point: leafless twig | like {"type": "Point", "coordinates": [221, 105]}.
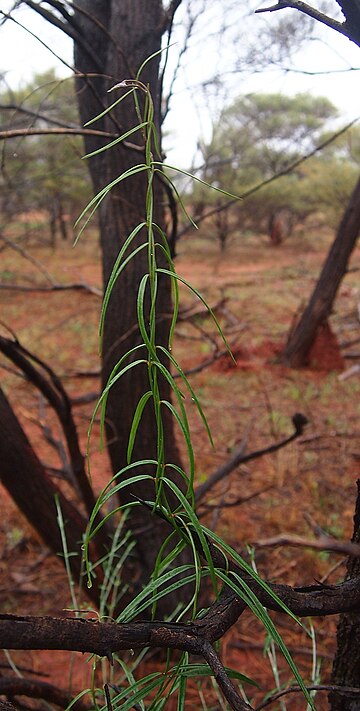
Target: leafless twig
{"type": "Point", "coordinates": [299, 422]}
{"type": "Point", "coordinates": [323, 543]}
{"type": "Point", "coordinates": [345, 690]}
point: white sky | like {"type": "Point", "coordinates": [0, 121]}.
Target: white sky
{"type": "Point", "coordinates": [22, 55]}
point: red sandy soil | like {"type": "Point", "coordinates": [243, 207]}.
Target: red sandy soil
{"type": "Point", "coordinates": [254, 399]}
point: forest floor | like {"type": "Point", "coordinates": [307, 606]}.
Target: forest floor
{"type": "Point", "coordinates": [256, 291]}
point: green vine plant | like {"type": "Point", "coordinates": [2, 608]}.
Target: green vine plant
{"type": "Point", "coordinates": [213, 559]}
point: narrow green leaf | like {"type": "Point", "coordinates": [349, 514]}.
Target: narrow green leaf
{"type": "Point", "coordinates": [243, 564]}
{"type": "Point", "coordinates": [136, 421]}
{"type": "Point", "coordinates": [195, 670]}
{"type": "Point", "coordinates": [245, 593]}
{"type": "Point", "coordinates": [174, 290]}
{"type": "Point", "coordinates": [109, 108]}
{"type": "Point", "coordinates": [150, 58]}
{"type": "Point", "coordinates": [140, 315]}
{"type": "Point", "coordinates": [179, 198]}
{"type": "Point", "coordinates": [145, 597]}
{"type": "Point", "coordinates": [104, 191]}
{"type": "Point", "coordinates": [182, 693]}
{"type": "Point", "coordinates": [203, 301]}
{"type": "Point", "coordinates": [119, 266]}
{"type": "Point", "coordinates": [198, 180]}
{"type": "Point", "coordinates": [184, 426]}
{"type": "Point", "coordinates": [191, 390]}
{"type": "Point", "coordinates": [105, 393]}
{"type": "Point", "coordinates": [198, 529]}
{"type": "Point", "coordinates": [113, 143]}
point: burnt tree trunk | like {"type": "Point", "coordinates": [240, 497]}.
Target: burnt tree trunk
{"type": "Point", "coordinates": [346, 667]}
{"type": "Point", "coordinates": [319, 308]}
{"type": "Point", "coordinates": [121, 36]}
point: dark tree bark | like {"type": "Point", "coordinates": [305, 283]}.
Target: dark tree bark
{"type": "Point", "coordinates": [24, 477]}
{"type": "Point", "coordinates": [346, 667]}
{"type": "Point", "coordinates": [319, 308]}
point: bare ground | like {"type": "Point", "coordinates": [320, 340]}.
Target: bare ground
{"type": "Point", "coordinates": [256, 292]}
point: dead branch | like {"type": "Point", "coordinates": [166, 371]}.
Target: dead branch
{"type": "Point", "coordinates": [54, 285]}
{"type": "Point", "coordinates": [51, 387]}
{"type": "Point", "coordinates": [350, 9]}
{"type": "Point", "coordinates": [349, 372]}
{"type": "Point", "coordinates": [323, 543]}
{"type": "Point", "coordinates": [69, 27]}
{"type": "Point", "coordinates": [77, 286]}
{"type": "Point", "coordinates": [236, 502]}
{"type": "Point", "coordinates": [27, 632]}
{"type": "Point", "coordinates": [299, 421]}
{"type": "Point", "coordinates": [306, 10]}
{"type": "Point", "coordinates": [106, 639]}
{"type": "Point", "coordinates": [345, 690]}
{"type": "Point", "coordinates": [18, 686]}
{"type": "Point", "coordinates": [195, 637]}
{"type": "Point", "coordinates": [22, 132]}
{"type": "Point", "coordinates": [16, 108]}
{"type": "Point", "coordinates": [26, 255]}
{"type": "Point", "coordinates": [31, 488]}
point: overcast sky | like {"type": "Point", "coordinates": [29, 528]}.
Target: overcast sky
{"type": "Point", "coordinates": [22, 55]}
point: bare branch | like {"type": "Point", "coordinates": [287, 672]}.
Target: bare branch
{"type": "Point", "coordinates": [345, 690]}
{"type": "Point", "coordinates": [306, 10]}
{"type": "Point", "coordinates": [350, 9]}
{"type": "Point", "coordinates": [225, 684]}
{"type": "Point", "coordinates": [24, 253]}
{"type": "Point", "coordinates": [236, 502]}
{"type": "Point", "coordinates": [170, 14]}
{"type": "Point", "coordinates": [76, 286]}
{"type": "Point", "coordinates": [8, 16]}
{"type": "Point", "coordinates": [34, 114]}
{"type": "Point", "coordinates": [13, 686]}
{"type": "Point", "coordinates": [52, 389]}
{"type": "Point", "coordinates": [68, 27]}
{"type": "Point", "coordinates": [16, 132]}
{"type": "Point", "coordinates": [299, 422]}
{"type": "Point", "coordinates": [323, 543]}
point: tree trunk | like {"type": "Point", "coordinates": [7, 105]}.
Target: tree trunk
{"type": "Point", "coordinates": [52, 226]}
{"type": "Point", "coordinates": [24, 477]}
{"type": "Point", "coordinates": [319, 308]}
{"type": "Point", "coordinates": [346, 667]}
{"type": "Point", "coordinates": [124, 35]}
{"type": "Point", "coordinates": [62, 222]}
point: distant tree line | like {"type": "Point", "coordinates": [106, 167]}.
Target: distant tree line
{"type": "Point", "coordinates": [261, 136]}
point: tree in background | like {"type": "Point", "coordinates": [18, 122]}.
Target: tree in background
{"type": "Point", "coordinates": [31, 179]}
{"type": "Point", "coordinates": [316, 313]}
{"type": "Point", "coordinates": [261, 136]}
